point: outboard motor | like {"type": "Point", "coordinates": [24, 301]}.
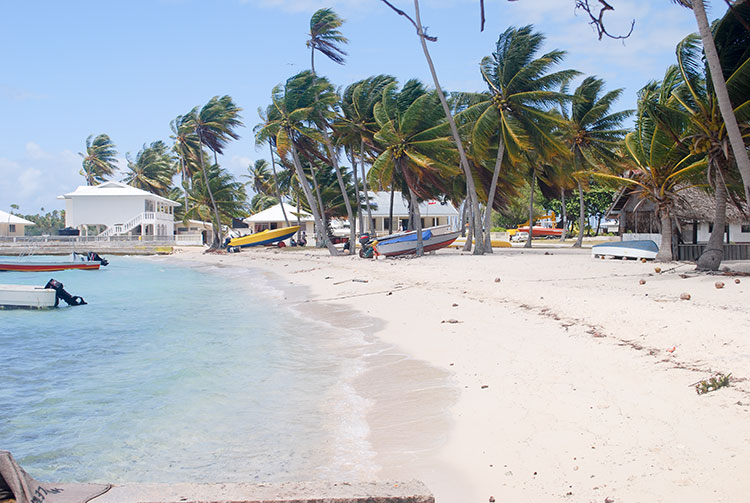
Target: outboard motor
{"type": "Point", "coordinates": [60, 293]}
{"type": "Point", "coordinates": [93, 256]}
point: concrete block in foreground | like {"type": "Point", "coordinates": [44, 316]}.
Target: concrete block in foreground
{"type": "Point", "coordinates": [291, 492]}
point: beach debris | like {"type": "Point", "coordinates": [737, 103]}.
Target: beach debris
{"type": "Point", "coordinates": [684, 296]}
{"type": "Point", "coordinates": [736, 281]}
{"type": "Point", "coordinates": [602, 257]}
{"type": "Point", "coordinates": [657, 269]}
{"type": "Point", "coordinates": [548, 253]}
{"type": "Point", "coordinates": [454, 305]}
{"type": "Point", "coordinates": [712, 384]}
{"type": "Point", "coordinates": [357, 280]}
{"type": "Point", "coordinates": [389, 293]}
{"type": "Point", "coordinates": [642, 259]}
{"type": "Point", "coordinates": [684, 276]}
{"type": "Point", "coordinates": [450, 364]}
{"type": "Point", "coordinates": [451, 320]}
{"type": "Point", "coordinates": [497, 280]}
{"type": "Point", "coordinates": [492, 499]}
{"type": "Point", "coordinates": [642, 282]}
{"type": "Point", "coordinates": [672, 349]}
{"type": "Point", "coordinates": [719, 285]}
{"type": "Point", "coordinates": [328, 277]}
{"type": "Point", "coordinates": [609, 500]}
{"type": "Point", "coordinates": [484, 386]}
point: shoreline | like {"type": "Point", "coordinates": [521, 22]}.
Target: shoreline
{"type": "Point", "coordinates": [565, 386]}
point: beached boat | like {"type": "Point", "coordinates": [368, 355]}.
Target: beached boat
{"type": "Point", "coordinates": [405, 243]}
{"type": "Point", "coordinates": [496, 243]}
{"type": "Point", "coordinates": [545, 228]}
{"type": "Point", "coordinates": [540, 231]}
{"type": "Point", "coordinates": [36, 297]}
{"type": "Point", "coordinates": [266, 237]}
{"type": "Point", "coordinates": [85, 261]}
{"type": "Point", "coordinates": [626, 249]}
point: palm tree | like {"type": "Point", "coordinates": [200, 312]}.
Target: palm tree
{"type": "Point", "coordinates": [152, 170]}
{"type": "Point", "coordinates": [664, 164]}
{"type": "Point", "coordinates": [215, 126]}
{"type": "Point", "coordinates": [99, 161]}
{"type": "Point", "coordinates": [721, 88]}
{"type": "Point", "coordinates": [222, 193]}
{"type": "Point", "coordinates": [259, 178]}
{"type": "Point", "coordinates": [416, 147]}
{"type": "Point", "coordinates": [325, 37]}
{"type": "Point", "coordinates": [707, 130]}
{"type": "Point", "coordinates": [593, 134]}
{"type": "Point", "coordinates": [515, 112]}
{"type": "Point", "coordinates": [186, 147]}
{"type": "Point", "coordinates": [270, 142]}
{"type": "Point", "coordinates": [287, 123]}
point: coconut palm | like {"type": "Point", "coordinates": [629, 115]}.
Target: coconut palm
{"type": "Point", "coordinates": [516, 112]}
{"type": "Point", "coordinates": [186, 147]}
{"type": "Point", "coordinates": [707, 130]}
{"type": "Point", "coordinates": [593, 134]}
{"type": "Point", "coordinates": [215, 125]}
{"type": "Point", "coordinates": [325, 37]}
{"type": "Point", "coordinates": [287, 122]}
{"type": "Point", "coordinates": [664, 165]}
{"type": "Point", "coordinates": [416, 146]}
{"type": "Point", "coordinates": [152, 170]}
{"type": "Point", "coordinates": [721, 87]}
{"type": "Point", "coordinates": [223, 193]}
{"type": "Point", "coordinates": [99, 161]}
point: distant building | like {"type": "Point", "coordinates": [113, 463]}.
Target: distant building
{"type": "Point", "coordinates": [12, 225]}
{"type": "Point", "coordinates": [273, 218]}
{"type": "Point", "coordinates": [433, 213]}
{"type": "Point", "coordinates": [114, 208]}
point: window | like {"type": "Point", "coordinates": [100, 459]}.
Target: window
{"type": "Point", "coordinates": [745, 228]}
{"type": "Point", "coordinates": [12, 227]}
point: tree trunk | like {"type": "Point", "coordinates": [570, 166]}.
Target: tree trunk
{"type": "Point", "coordinates": [417, 222]}
{"type": "Point", "coordinates": [720, 87]}
{"type": "Point", "coordinates": [342, 187]}
{"type": "Point", "coordinates": [477, 217]}
{"type": "Point", "coordinates": [581, 217]}
{"type": "Point", "coordinates": [360, 216]}
{"type": "Point", "coordinates": [491, 194]}
{"type": "Point", "coordinates": [299, 220]}
{"type": "Point", "coordinates": [364, 185]}
{"type": "Point", "coordinates": [598, 224]}
{"type": "Point", "coordinates": [390, 212]}
{"type": "Point", "coordinates": [470, 235]}
{"type": "Point", "coordinates": [462, 223]}
{"type": "Point", "coordinates": [217, 215]}
{"type": "Point", "coordinates": [276, 184]}
{"type": "Point", "coordinates": [665, 250]}
{"type": "Point", "coordinates": [712, 256]}
{"type": "Point", "coordinates": [563, 222]}
{"type": "Point", "coordinates": [321, 234]}
{"type": "Point", "coordinates": [531, 209]}
{"type": "Point", "coordinates": [319, 222]}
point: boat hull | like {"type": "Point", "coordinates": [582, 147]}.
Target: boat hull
{"type": "Point", "coordinates": [26, 297]}
{"type": "Point", "coordinates": [627, 249]}
{"type": "Point", "coordinates": [48, 267]}
{"type": "Point", "coordinates": [434, 242]}
{"type": "Point", "coordinates": [266, 237]}
{"type": "Point", "coordinates": [540, 232]}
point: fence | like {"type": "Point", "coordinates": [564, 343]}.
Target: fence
{"type": "Point", "coordinates": [690, 252]}
{"type": "Point", "coordinates": [179, 239]}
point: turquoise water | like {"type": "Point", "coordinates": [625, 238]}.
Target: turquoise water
{"type": "Point", "coordinates": [176, 374]}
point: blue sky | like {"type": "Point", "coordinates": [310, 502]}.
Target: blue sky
{"type": "Point", "coordinates": [128, 67]}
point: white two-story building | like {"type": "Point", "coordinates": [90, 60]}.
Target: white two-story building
{"type": "Point", "coordinates": [115, 209]}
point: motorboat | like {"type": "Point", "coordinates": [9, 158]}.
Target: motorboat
{"type": "Point", "coordinates": [266, 237]}
{"type": "Point", "coordinates": [405, 243]}
{"type": "Point", "coordinates": [36, 297]}
{"type": "Point", "coordinates": [84, 261]}
{"type": "Point", "coordinates": [638, 249]}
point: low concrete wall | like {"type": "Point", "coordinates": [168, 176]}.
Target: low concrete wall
{"type": "Point", "coordinates": [292, 492]}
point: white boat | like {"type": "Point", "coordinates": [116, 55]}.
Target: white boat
{"type": "Point", "coordinates": [626, 249]}
{"type": "Point", "coordinates": [26, 296]}
{"type": "Point", "coordinates": [433, 238]}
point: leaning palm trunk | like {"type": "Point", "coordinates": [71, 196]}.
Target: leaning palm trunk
{"type": "Point", "coordinates": [321, 235]}
{"type": "Point", "coordinates": [665, 249]}
{"type": "Point", "coordinates": [276, 184]}
{"type": "Point", "coordinates": [491, 195]}
{"type": "Point", "coordinates": [342, 186]}
{"type": "Point", "coordinates": [531, 209]}
{"type": "Point", "coordinates": [417, 222]}
{"type": "Point", "coordinates": [581, 217]}
{"type": "Point", "coordinates": [472, 191]}
{"type": "Point", "coordinates": [360, 217]}
{"type": "Point", "coordinates": [217, 215]}
{"type": "Point", "coordinates": [720, 87]}
{"type": "Point", "coordinates": [319, 222]}
{"type": "Point", "coordinates": [563, 223]}
{"type": "Point", "coordinates": [390, 211]}
{"type": "Point", "coordinates": [470, 235]}
{"type": "Point", "coordinates": [712, 256]}
{"type": "Point", "coordinates": [364, 185]}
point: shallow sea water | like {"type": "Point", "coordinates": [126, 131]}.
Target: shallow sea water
{"type": "Point", "coordinates": [178, 374]}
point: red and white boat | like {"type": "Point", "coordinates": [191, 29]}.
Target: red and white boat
{"type": "Point", "coordinates": [85, 261]}
{"type": "Point", "coordinates": [540, 231]}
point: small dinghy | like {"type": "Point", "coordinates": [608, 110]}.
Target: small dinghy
{"type": "Point", "coordinates": [37, 297]}
{"type": "Point", "coordinates": [86, 261]}
{"type": "Point", "coordinates": [626, 249]}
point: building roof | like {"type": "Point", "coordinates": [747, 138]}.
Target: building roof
{"type": "Point", "coordinates": [274, 214]}
{"type": "Point", "coordinates": [9, 218]}
{"type": "Point", "coordinates": [400, 209]}
{"type": "Point", "coordinates": [114, 189]}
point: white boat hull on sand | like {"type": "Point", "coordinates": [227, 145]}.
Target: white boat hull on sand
{"type": "Point", "coordinates": [26, 296]}
{"type": "Point", "coordinates": [645, 249]}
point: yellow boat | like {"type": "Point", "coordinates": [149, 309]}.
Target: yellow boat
{"type": "Point", "coordinates": [266, 237]}
{"type": "Point", "coordinates": [496, 243]}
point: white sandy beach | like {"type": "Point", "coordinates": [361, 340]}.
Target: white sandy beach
{"type": "Point", "coordinates": [541, 375]}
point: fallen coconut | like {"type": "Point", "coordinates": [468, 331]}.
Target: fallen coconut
{"type": "Point", "coordinates": [684, 296]}
{"type": "Point", "coordinates": [643, 260]}
{"type": "Point", "coordinates": [719, 285]}
{"type": "Point", "coordinates": [642, 282]}
{"type": "Point", "coordinates": [737, 281]}
{"type": "Point", "coordinates": [657, 269]}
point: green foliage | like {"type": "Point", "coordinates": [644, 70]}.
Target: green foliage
{"type": "Point", "coordinates": [152, 170]}
{"type": "Point", "coordinates": [47, 223]}
{"type": "Point", "coordinates": [99, 160]}
{"type": "Point", "coordinates": [228, 194]}
{"type": "Point", "coordinates": [712, 384]}
{"type": "Point", "coordinates": [325, 36]}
